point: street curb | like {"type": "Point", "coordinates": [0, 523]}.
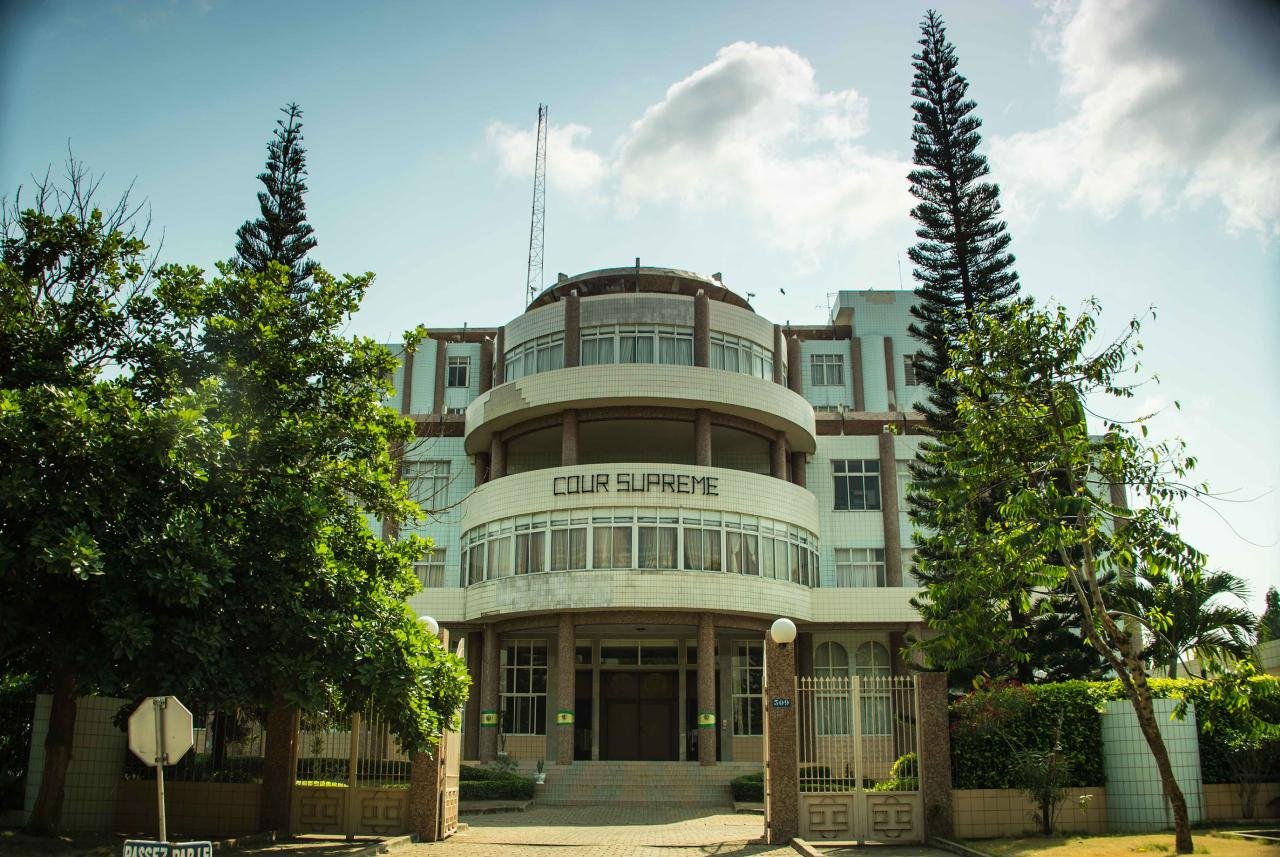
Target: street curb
{"type": "Point", "coordinates": [956, 847]}
{"type": "Point", "coordinates": [247, 841]}
{"type": "Point", "coordinates": [382, 847]}
{"type": "Point", "coordinates": [802, 847]}
{"type": "Point", "coordinates": [748, 808]}
{"type": "Point", "coordinates": [489, 809]}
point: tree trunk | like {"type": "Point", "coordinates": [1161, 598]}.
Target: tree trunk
{"type": "Point", "coordinates": [1141, 699]}
{"type": "Point", "coordinates": [47, 811]}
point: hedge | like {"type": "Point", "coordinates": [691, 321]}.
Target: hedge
{"type": "Point", "coordinates": [503, 788]}
{"type": "Point", "coordinates": [1026, 715]}
{"type": "Point", "coordinates": [748, 788]}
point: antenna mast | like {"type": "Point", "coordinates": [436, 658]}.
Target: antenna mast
{"type": "Point", "coordinates": [538, 220]}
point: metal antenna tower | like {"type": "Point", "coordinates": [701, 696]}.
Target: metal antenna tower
{"type": "Point", "coordinates": [538, 221]}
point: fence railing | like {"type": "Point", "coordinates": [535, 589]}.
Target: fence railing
{"type": "Point", "coordinates": [857, 733]}
{"type": "Point", "coordinates": [345, 750]}
{"type": "Point", "coordinates": [229, 745]}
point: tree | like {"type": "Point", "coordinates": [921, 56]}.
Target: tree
{"type": "Point", "coordinates": [281, 234]}
{"type": "Point", "coordinates": [1043, 518]}
{"type": "Point", "coordinates": [1193, 619]}
{"type": "Point", "coordinates": [1269, 622]}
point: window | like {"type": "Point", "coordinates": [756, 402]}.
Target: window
{"type": "Point", "coordinates": [657, 544]}
{"type": "Point", "coordinates": [611, 546]}
{"type": "Point", "coordinates": [537, 355]}
{"type": "Point", "coordinates": [748, 688]}
{"type": "Point", "coordinates": [701, 549]}
{"type": "Point", "coordinates": [733, 354]}
{"type": "Point", "coordinates": [430, 571]}
{"type": "Point", "coordinates": [909, 567]}
{"type": "Point", "coordinates": [871, 664]}
{"type": "Point", "coordinates": [524, 687]}
{"type": "Point", "coordinates": [860, 567]}
{"type": "Point", "coordinates": [831, 661]}
{"type": "Point", "coordinates": [909, 370]}
{"type": "Point", "coordinates": [530, 553]}
{"type": "Point", "coordinates": [826, 370]}
{"type": "Point", "coordinates": [597, 347]}
{"type": "Point", "coordinates": [742, 553]}
{"type": "Point", "coordinates": [857, 484]}
{"type": "Point", "coordinates": [568, 548]}
{"type": "Point", "coordinates": [459, 372]}
{"type": "Point", "coordinates": [635, 344]}
{"type": "Point", "coordinates": [428, 483]}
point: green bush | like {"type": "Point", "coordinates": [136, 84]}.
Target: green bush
{"type": "Point", "coordinates": [903, 775]}
{"type": "Point", "coordinates": [508, 788]}
{"type": "Point", "coordinates": [748, 788]}
{"type": "Point", "coordinates": [468, 773]}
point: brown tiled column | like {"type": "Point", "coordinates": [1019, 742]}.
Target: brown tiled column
{"type": "Point", "coordinates": [855, 369]}
{"type": "Point", "coordinates": [482, 468]}
{"type": "Point", "coordinates": [889, 510]}
{"type": "Point", "coordinates": [782, 765]}
{"type": "Point", "coordinates": [572, 331]}
{"type": "Point", "coordinates": [565, 694]}
{"type": "Point", "coordinates": [497, 457]}
{"type": "Point", "coordinates": [701, 329]}
{"type": "Point", "coordinates": [500, 357]}
{"type": "Point", "coordinates": [890, 375]}
{"type": "Point", "coordinates": [471, 715]}
{"type": "Point", "coordinates": [778, 456]}
{"type": "Point", "coordinates": [279, 766]}
{"type": "Point", "coordinates": [795, 370]}
{"type": "Point", "coordinates": [486, 366]}
{"type": "Point", "coordinates": [489, 714]}
{"type": "Point", "coordinates": [569, 439]}
{"type": "Point", "coordinates": [798, 468]}
{"type": "Point", "coordinates": [935, 755]}
{"type": "Point", "coordinates": [779, 356]}
{"type": "Point", "coordinates": [707, 728]}
{"type": "Point", "coordinates": [442, 360]}
{"type": "Point", "coordinates": [426, 778]}
{"type": "Point", "coordinates": [406, 383]}
{"type": "Point", "coordinates": [702, 438]}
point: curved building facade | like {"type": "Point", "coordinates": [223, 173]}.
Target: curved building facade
{"type": "Point", "coordinates": [631, 480]}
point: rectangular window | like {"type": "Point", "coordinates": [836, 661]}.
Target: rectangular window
{"type": "Point", "coordinates": [909, 369]}
{"type": "Point", "coordinates": [611, 547]}
{"type": "Point", "coordinates": [657, 547]}
{"type": "Point", "coordinates": [675, 348]}
{"type": "Point", "coordinates": [459, 372]}
{"type": "Point", "coordinates": [748, 688]}
{"type": "Point", "coordinates": [428, 483]}
{"type": "Point", "coordinates": [597, 348]}
{"type": "Point", "coordinates": [569, 549]}
{"type": "Point", "coordinates": [500, 557]}
{"type": "Point", "coordinates": [857, 484]}
{"type": "Point", "coordinates": [530, 557]}
{"type": "Point", "coordinates": [740, 553]}
{"type": "Point", "coordinates": [430, 571]}
{"type": "Point", "coordinates": [826, 370]}
{"type": "Point", "coordinates": [523, 689]}
{"type": "Point", "coordinates": [860, 567]}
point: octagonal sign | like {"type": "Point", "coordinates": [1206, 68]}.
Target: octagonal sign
{"type": "Point", "coordinates": [160, 731]}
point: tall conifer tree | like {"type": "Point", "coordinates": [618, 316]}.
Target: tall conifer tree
{"type": "Point", "coordinates": [281, 233]}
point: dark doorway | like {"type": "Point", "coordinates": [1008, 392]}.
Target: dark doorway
{"type": "Point", "coordinates": [582, 721]}
{"type": "Point", "coordinates": [638, 715]}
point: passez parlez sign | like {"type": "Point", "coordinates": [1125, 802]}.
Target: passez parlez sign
{"type": "Point", "coordinates": [147, 848]}
{"type": "Point", "coordinates": [635, 483]}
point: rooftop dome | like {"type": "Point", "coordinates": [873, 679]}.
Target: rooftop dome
{"type": "Point", "coordinates": [667, 281]}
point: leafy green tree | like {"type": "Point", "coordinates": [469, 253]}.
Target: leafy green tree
{"type": "Point", "coordinates": [1041, 517]}
{"type": "Point", "coordinates": [1269, 621]}
{"type": "Point", "coordinates": [281, 232]}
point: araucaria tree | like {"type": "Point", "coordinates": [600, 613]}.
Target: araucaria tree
{"type": "Point", "coordinates": [1042, 517]}
{"type": "Point", "coordinates": [281, 233]}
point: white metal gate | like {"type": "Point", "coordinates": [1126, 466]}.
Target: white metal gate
{"type": "Point", "coordinates": [859, 761]}
{"type": "Point", "coordinates": [451, 746]}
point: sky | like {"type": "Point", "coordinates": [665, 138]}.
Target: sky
{"type": "Point", "coordinates": [1137, 145]}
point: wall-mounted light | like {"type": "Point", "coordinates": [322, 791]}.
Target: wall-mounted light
{"type": "Point", "coordinates": [782, 631]}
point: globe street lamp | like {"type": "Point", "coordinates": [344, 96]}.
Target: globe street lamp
{"type": "Point", "coordinates": [782, 631]}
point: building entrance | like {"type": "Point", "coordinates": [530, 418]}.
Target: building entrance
{"type": "Point", "coordinates": [638, 714]}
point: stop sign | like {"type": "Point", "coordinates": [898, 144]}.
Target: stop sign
{"type": "Point", "coordinates": [160, 730]}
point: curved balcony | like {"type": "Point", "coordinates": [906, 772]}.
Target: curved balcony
{"type": "Point", "coordinates": [645, 385]}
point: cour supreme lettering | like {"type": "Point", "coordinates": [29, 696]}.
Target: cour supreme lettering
{"type": "Point", "coordinates": [628, 483]}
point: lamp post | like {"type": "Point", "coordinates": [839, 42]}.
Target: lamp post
{"type": "Point", "coordinates": [782, 631]}
{"type": "Point", "coordinates": [433, 627]}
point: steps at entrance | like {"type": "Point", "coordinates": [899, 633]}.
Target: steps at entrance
{"type": "Point", "coordinates": [641, 783]}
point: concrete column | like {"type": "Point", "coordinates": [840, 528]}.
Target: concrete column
{"type": "Point", "coordinates": [482, 467]}
{"type": "Point", "coordinates": [779, 355]}
{"type": "Point", "coordinates": [701, 330]}
{"type": "Point", "coordinates": [781, 747]}
{"type": "Point", "coordinates": [795, 371]}
{"type": "Point", "coordinates": [499, 357]}
{"type": "Point", "coordinates": [426, 781]}
{"type": "Point", "coordinates": [889, 509]}
{"type": "Point", "coordinates": [566, 667]}
{"type": "Point", "coordinates": [406, 383]}
{"type": "Point", "coordinates": [569, 439]}
{"type": "Point", "coordinates": [486, 366]}
{"type": "Point", "coordinates": [279, 766]}
{"type": "Point", "coordinates": [798, 468]}
{"type": "Point", "coordinates": [855, 369]}
{"type": "Point", "coordinates": [702, 438]}
{"type": "Point", "coordinates": [778, 456]}
{"type": "Point", "coordinates": [891, 375]}
{"type": "Point", "coordinates": [490, 716]}
{"type": "Point", "coordinates": [442, 360]}
{"type": "Point", "coordinates": [935, 755]}
{"type": "Point", "coordinates": [572, 332]}
{"type": "Point", "coordinates": [707, 730]}
{"type": "Point", "coordinates": [471, 714]}
{"type": "Point", "coordinates": [497, 457]}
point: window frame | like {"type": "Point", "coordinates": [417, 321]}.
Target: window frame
{"type": "Point", "coordinates": [458, 362]}
{"type": "Point", "coordinates": [826, 370]}
{"type": "Point", "coordinates": [866, 474]}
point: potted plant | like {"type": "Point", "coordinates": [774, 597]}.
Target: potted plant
{"type": "Point", "coordinates": [539, 775]}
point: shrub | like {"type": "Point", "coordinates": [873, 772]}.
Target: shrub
{"type": "Point", "coordinates": [904, 775]}
{"type": "Point", "coordinates": [508, 788]}
{"type": "Point", "coordinates": [748, 788]}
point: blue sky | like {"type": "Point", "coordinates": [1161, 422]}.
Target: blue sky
{"type": "Point", "coordinates": [1138, 148]}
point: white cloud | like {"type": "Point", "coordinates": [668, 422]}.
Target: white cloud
{"type": "Point", "coordinates": [1170, 103]}
{"type": "Point", "coordinates": [750, 132]}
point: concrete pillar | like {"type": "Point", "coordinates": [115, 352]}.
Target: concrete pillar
{"type": "Point", "coordinates": [779, 356]}
{"type": "Point", "coordinates": [497, 457]}
{"type": "Point", "coordinates": [486, 366]}
{"type": "Point", "coordinates": [798, 468]}
{"type": "Point", "coordinates": [426, 781]}
{"type": "Point", "coordinates": [566, 666]}
{"type": "Point", "coordinates": [572, 332]}
{"type": "Point", "coordinates": [490, 716]}
{"type": "Point", "coordinates": [935, 755]}
{"type": "Point", "coordinates": [471, 714]}
{"type": "Point", "coordinates": [795, 370]}
{"type": "Point", "coordinates": [482, 467]}
{"type": "Point", "coordinates": [406, 383]}
{"type": "Point", "coordinates": [891, 375]}
{"type": "Point", "coordinates": [707, 730]}
{"type": "Point", "coordinates": [569, 439]}
{"type": "Point", "coordinates": [855, 369]}
{"type": "Point", "coordinates": [782, 760]}
{"type": "Point", "coordinates": [889, 510]}
{"type": "Point", "coordinates": [702, 438]}
{"type": "Point", "coordinates": [701, 329]}
{"type": "Point", "coordinates": [279, 766]}
{"type": "Point", "coordinates": [442, 361]}
{"type": "Point", "coordinates": [499, 357]}
{"type": "Point", "coordinates": [778, 456]}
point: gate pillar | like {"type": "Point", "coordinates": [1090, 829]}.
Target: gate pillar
{"type": "Point", "coordinates": [935, 755]}
{"type": "Point", "coordinates": [781, 747]}
{"type": "Point", "coordinates": [425, 780]}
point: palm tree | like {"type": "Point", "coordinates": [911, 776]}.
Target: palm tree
{"type": "Point", "coordinates": [1192, 616]}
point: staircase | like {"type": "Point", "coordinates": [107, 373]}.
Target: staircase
{"type": "Point", "coordinates": [641, 783]}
